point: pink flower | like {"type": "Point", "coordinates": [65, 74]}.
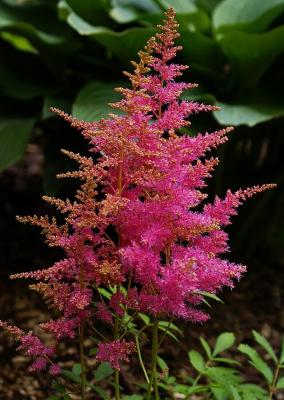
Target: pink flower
{"type": "Point", "coordinates": [115, 352]}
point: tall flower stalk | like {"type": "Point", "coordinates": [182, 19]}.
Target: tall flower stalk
{"type": "Point", "coordinates": [139, 224]}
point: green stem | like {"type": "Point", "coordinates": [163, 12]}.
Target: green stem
{"type": "Point", "coordinates": [153, 377]}
{"type": "Point", "coordinates": [116, 371]}
{"type": "Point", "coordinates": [141, 360]}
{"type": "Point", "coordinates": [273, 386]}
{"type": "Point", "coordinates": [82, 362]}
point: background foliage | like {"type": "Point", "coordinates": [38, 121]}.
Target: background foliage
{"type": "Point", "coordinates": [69, 54]}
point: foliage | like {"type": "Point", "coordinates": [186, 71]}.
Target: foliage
{"type": "Point", "coordinates": [71, 54]}
{"type": "Point", "coordinates": [139, 242]}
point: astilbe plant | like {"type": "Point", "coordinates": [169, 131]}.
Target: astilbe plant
{"type": "Point", "coordinates": [135, 226]}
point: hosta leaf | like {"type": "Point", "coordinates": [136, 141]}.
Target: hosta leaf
{"type": "Point", "coordinates": [257, 52]}
{"type": "Point", "coordinates": [265, 344]}
{"type": "Point", "coordinates": [14, 135]}
{"type": "Point", "coordinates": [223, 342]}
{"type": "Point", "coordinates": [92, 101]}
{"type": "Point", "coordinates": [249, 15]}
{"type": "Point", "coordinates": [95, 12]}
{"type": "Point", "coordinates": [251, 113]}
{"type": "Point", "coordinates": [125, 11]}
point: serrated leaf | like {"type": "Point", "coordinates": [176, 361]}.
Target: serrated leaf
{"type": "Point", "coordinates": [224, 342]}
{"type": "Point", "coordinates": [196, 360]}
{"type": "Point", "coordinates": [206, 347]}
{"type": "Point", "coordinates": [257, 361]}
{"type": "Point", "coordinates": [265, 344]}
{"type": "Point", "coordinates": [103, 371]}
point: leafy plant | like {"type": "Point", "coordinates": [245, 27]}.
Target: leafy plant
{"type": "Point", "coordinates": [139, 244]}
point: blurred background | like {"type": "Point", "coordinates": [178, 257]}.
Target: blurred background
{"type": "Point", "coordinates": [70, 53]}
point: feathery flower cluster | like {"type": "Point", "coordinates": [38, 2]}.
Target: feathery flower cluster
{"type": "Point", "coordinates": [135, 219]}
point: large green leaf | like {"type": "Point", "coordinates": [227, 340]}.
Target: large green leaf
{"type": "Point", "coordinates": [250, 111]}
{"type": "Point", "coordinates": [92, 101]}
{"type": "Point", "coordinates": [14, 135]}
{"type": "Point", "coordinates": [125, 11]}
{"type": "Point", "coordinates": [251, 54]}
{"type": "Point", "coordinates": [247, 15]}
{"type": "Point", "coordinates": [202, 53]}
{"type": "Point", "coordinates": [93, 11]}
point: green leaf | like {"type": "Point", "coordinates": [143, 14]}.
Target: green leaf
{"type": "Point", "coordinates": [125, 11]}
{"type": "Point", "coordinates": [168, 332]}
{"type": "Point", "coordinates": [204, 52]}
{"type": "Point", "coordinates": [280, 383]}
{"type": "Point", "coordinates": [95, 12]}
{"type": "Point", "coordinates": [162, 364]}
{"type": "Point", "coordinates": [14, 136]}
{"type": "Point", "coordinates": [105, 293]}
{"type": "Point", "coordinates": [254, 111]}
{"type": "Point", "coordinates": [206, 347]}
{"type": "Point", "coordinates": [171, 326]}
{"type": "Point", "coordinates": [103, 371]}
{"type": "Point", "coordinates": [255, 54]}
{"type": "Point", "coordinates": [257, 362]}
{"type": "Point", "coordinates": [56, 102]}
{"type": "Point", "coordinates": [77, 369]}
{"type": "Point", "coordinates": [133, 397]}
{"type": "Point", "coordinates": [144, 318]}
{"type": "Point", "coordinates": [226, 360]}
{"type": "Point", "coordinates": [248, 15]}
{"type": "Point", "coordinates": [101, 392]}
{"type": "Point", "coordinates": [71, 376]}
{"type": "Point", "coordinates": [180, 6]}
{"type": "Point", "coordinates": [265, 344]}
{"type": "Point", "coordinates": [93, 351]}
{"type": "Point", "coordinates": [223, 342]}
{"type": "Point", "coordinates": [281, 359]}
{"type": "Point", "coordinates": [234, 392]}
{"type": "Point", "coordinates": [92, 101]}
{"type": "Point", "coordinates": [210, 296]}
{"type": "Point", "coordinates": [196, 360]}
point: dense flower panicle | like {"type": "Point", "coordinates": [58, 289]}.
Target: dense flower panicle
{"type": "Point", "coordinates": [134, 220]}
{"type": "Point", "coordinates": [115, 352]}
{"type": "Point", "coordinates": [33, 347]}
